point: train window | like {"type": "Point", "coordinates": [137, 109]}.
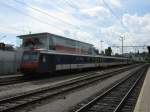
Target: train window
{"type": "Point", "coordinates": [42, 59]}
{"type": "Point", "coordinates": [27, 56]}
{"type": "Point", "coordinates": [87, 59]}
{"type": "Point", "coordinates": [72, 59]}
{"type": "Point", "coordinates": [63, 59]}
{"type": "Point", "coordinates": [104, 59]}
{"type": "Point", "coordinates": [79, 59]}
{"type": "Point", "coordinates": [100, 60]}
{"type": "Point", "coordinates": [93, 60]}
{"type": "Point", "coordinates": [58, 59]}
{"type": "Point", "coordinates": [97, 60]}
{"type": "Point", "coordinates": [82, 59]}
{"type": "Point", "coordinates": [66, 59]}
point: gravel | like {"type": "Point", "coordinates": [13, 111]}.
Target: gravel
{"type": "Point", "coordinates": [66, 102]}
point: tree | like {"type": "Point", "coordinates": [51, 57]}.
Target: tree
{"type": "Point", "coordinates": [138, 52]}
{"type": "Point", "coordinates": [2, 46]}
{"type": "Point", "coordinates": [102, 53]}
{"type": "Point", "coordinates": [108, 51]}
{"type": "Point", "coordinates": [96, 51]}
{"type": "Point", "coordinates": [148, 47]}
{"type": "Point", "coordinates": [116, 54]}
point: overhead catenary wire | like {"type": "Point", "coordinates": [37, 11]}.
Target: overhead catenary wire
{"type": "Point", "coordinates": [125, 27]}
{"type": "Point", "coordinates": [69, 4]}
{"type": "Point", "coordinates": [12, 7]}
{"type": "Point", "coordinates": [12, 28]}
{"type": "Point", "coordinates": [32, 17]}
{"type": "Point", "coordinates": [46, 13]}
{"type": "Point", "coordinates": [58, 7]}
{"type": "Point", "coordinates": [113, 13]}
{"type": "Point", "coordinates": [73, 6]}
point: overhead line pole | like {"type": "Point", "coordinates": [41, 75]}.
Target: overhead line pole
{"type": "Point", "coordinates": [101, 45]}
{"type": "Point", "coordinates": [122, 39]}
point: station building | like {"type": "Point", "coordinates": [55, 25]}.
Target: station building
{"type": "Point", "coordinates": [50, 41]}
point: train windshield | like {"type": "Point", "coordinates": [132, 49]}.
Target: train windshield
{"type": "Point", "coordinates": [30, 56]}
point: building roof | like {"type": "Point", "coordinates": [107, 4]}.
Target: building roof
{"type": "Point", "coordinates": [49, 34]}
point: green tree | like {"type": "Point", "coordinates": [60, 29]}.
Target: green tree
{"type": "Point", "coordinates": [108, 51]}
{"type": "Point", "coordinates": [102, 53]}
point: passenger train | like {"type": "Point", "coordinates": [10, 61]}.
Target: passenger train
{"type": "Point", "coordinates": [46, 61]}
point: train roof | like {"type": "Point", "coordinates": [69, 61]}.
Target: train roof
{"type": "Point", "coordinates": [50, 34]}
{"type": "Point", "coordinates": [60, 53]}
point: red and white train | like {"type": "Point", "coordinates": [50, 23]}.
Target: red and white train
{"type": "Point", "coordinates": [44, 61]}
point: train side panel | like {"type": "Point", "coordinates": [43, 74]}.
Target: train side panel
{"type": "Point", "coordinates": [46, 63]}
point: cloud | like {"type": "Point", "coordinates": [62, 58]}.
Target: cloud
{"type": "Point", "coordinates": [137, 24]}
{"type": "Point", "coordinates": [88, 38]}
{"type": "Point", "coordinates": [137, 34]}
{"type": "Point", "coordinates": [115, 3]}
{"type": "Point", "coordinates": [83, 36]}
{"type": "Point", "coordinates": [87, 21]}
{"type": "Point", "coordinates": [96, 11]}
{"type": "Point", "coordinates": [139, 27]}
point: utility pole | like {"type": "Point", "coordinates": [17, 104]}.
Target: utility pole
{"type": "Point", "coordinates": [122, 39]}
{"type": "Point", "coordinates": [101, 45]}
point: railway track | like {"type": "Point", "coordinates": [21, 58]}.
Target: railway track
{"type": "Point", "coordinates": [11, 80]}
{"type": "Point", "coordinates": [21, 79]}
{"type": "Point", "coordinates": [118, 98]}
{"type": "Point", "coordinates": [18, 101]}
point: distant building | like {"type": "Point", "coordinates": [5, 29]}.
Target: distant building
{"type": "Point", "coordinates": [6, 47]}
{"type": "Point", "coordinates": [136, 56]}
{"type": "Point", "coordinates": [55, 42]}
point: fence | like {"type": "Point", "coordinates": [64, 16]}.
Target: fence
{"type": "Point", "coordinates": [9, 62]}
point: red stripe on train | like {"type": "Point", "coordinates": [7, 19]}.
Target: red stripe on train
{"type": "Point", "coordinates": [70, 50]}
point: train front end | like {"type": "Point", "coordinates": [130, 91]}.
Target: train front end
{"type": "Point", "coordinates": [30, 62]}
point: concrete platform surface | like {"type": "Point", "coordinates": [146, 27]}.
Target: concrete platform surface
{"type": "Point", "coordinates": [10, 76]}
{"type": "Point", "coordinates": [143, 102]}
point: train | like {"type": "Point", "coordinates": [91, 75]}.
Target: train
{"type": "Point", "coordinates": [46, 61]}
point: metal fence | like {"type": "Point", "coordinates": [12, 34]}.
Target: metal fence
{"type": "Point", "coordinates": [9, 62]}
{"type": "Point", "coordinates": [8, 67]}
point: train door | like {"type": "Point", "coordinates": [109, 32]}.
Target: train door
{"type": "Point", "coordinates": [46, 63]}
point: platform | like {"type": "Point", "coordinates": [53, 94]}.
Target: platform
{"type": "Point", "coordinates": [143, 102]}
{"type": "Point", "coordinates": [10, 76]}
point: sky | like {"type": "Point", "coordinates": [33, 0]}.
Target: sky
{"type": "Point", "coordinates": [89, 21]}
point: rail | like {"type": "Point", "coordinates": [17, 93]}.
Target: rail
{"type": "Point", "coordinates": [20, 100]}
{"type": "Point", "coordinates": [108, 100]}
